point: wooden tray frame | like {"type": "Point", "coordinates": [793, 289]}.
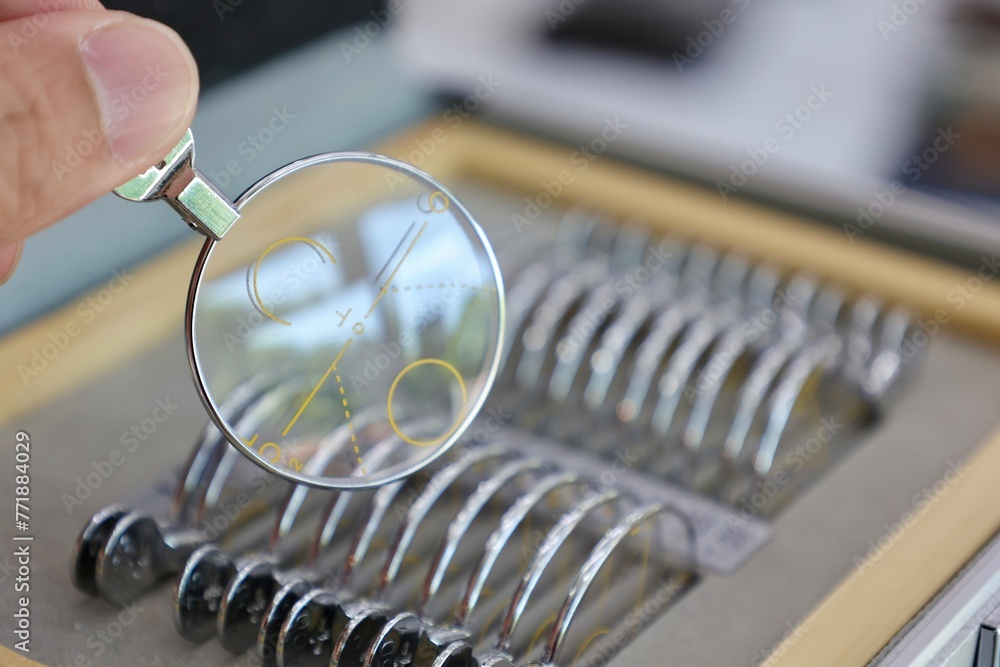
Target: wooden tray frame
{"type": "Point", "coordinates": [859, 616]}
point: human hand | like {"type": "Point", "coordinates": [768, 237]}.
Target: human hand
{"type": "Point", "coordinates": [89, 98]}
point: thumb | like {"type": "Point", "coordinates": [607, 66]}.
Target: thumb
{"type": "Point", "coordinates": [88, 100]}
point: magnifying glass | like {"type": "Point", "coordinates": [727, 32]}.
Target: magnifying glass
{"type": "Point", "coordinates": [359, 283]}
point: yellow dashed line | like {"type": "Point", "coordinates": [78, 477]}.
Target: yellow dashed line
{"type": "Point", "coordinates": [350, 425]}
{"type": "Point", "coordinates": [407, 288]}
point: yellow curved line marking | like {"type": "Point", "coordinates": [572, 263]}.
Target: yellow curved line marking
{"type": "Point", "coordinates": [644, 570]}
{"type": "Point", "coordinates": [489, 624]}
{"type": "Point", "coordinates": [392, 390]}
{"type": "Point", "coordinates": [590, 640]}
{"type": "Point", "coordinates": [541, 630]}
{"type": "Point", "coordinates": [291, 239]}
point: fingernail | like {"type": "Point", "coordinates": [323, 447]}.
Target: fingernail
{"type": "Point", "coordinates": [145, 83]}
{"type": "Point", "coordinates": [9, 257]}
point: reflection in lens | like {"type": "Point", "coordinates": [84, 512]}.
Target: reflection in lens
{"type": "Point", "coordinates": [384, 301]}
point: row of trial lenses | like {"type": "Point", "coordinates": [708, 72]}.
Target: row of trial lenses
{"type": "Point", "coordinates": [295, 593]}
{"type": "Point", "coordinates": [710, 370]}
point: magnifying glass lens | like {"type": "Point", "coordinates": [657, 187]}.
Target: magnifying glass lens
{"type": "Point", "coordinates": [379, 318]}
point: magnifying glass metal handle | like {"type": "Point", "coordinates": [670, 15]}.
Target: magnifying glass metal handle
{"type": "Point", "coordinates": [175, 179]}
{"type": "Point", "coordinates": [363, 211]}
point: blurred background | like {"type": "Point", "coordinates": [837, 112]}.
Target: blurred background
{"type": "Point", "coordinates": [877, 116]}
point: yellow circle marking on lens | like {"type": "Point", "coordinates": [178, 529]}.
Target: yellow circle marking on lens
{"type": "Point", "coordinates": [271, 445]}
{"type": "Point", "coordinates": [392, 390]}
{"type": "Point", "coordinates": [291, 239]}
{"type": "Point", "coordinates": [277, 451]}
{"type": "Point", "coordinates": [438, 196]}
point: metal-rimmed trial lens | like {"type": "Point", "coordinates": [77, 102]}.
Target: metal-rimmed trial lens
{"type": "Point", "coordinates": [386, 300]}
